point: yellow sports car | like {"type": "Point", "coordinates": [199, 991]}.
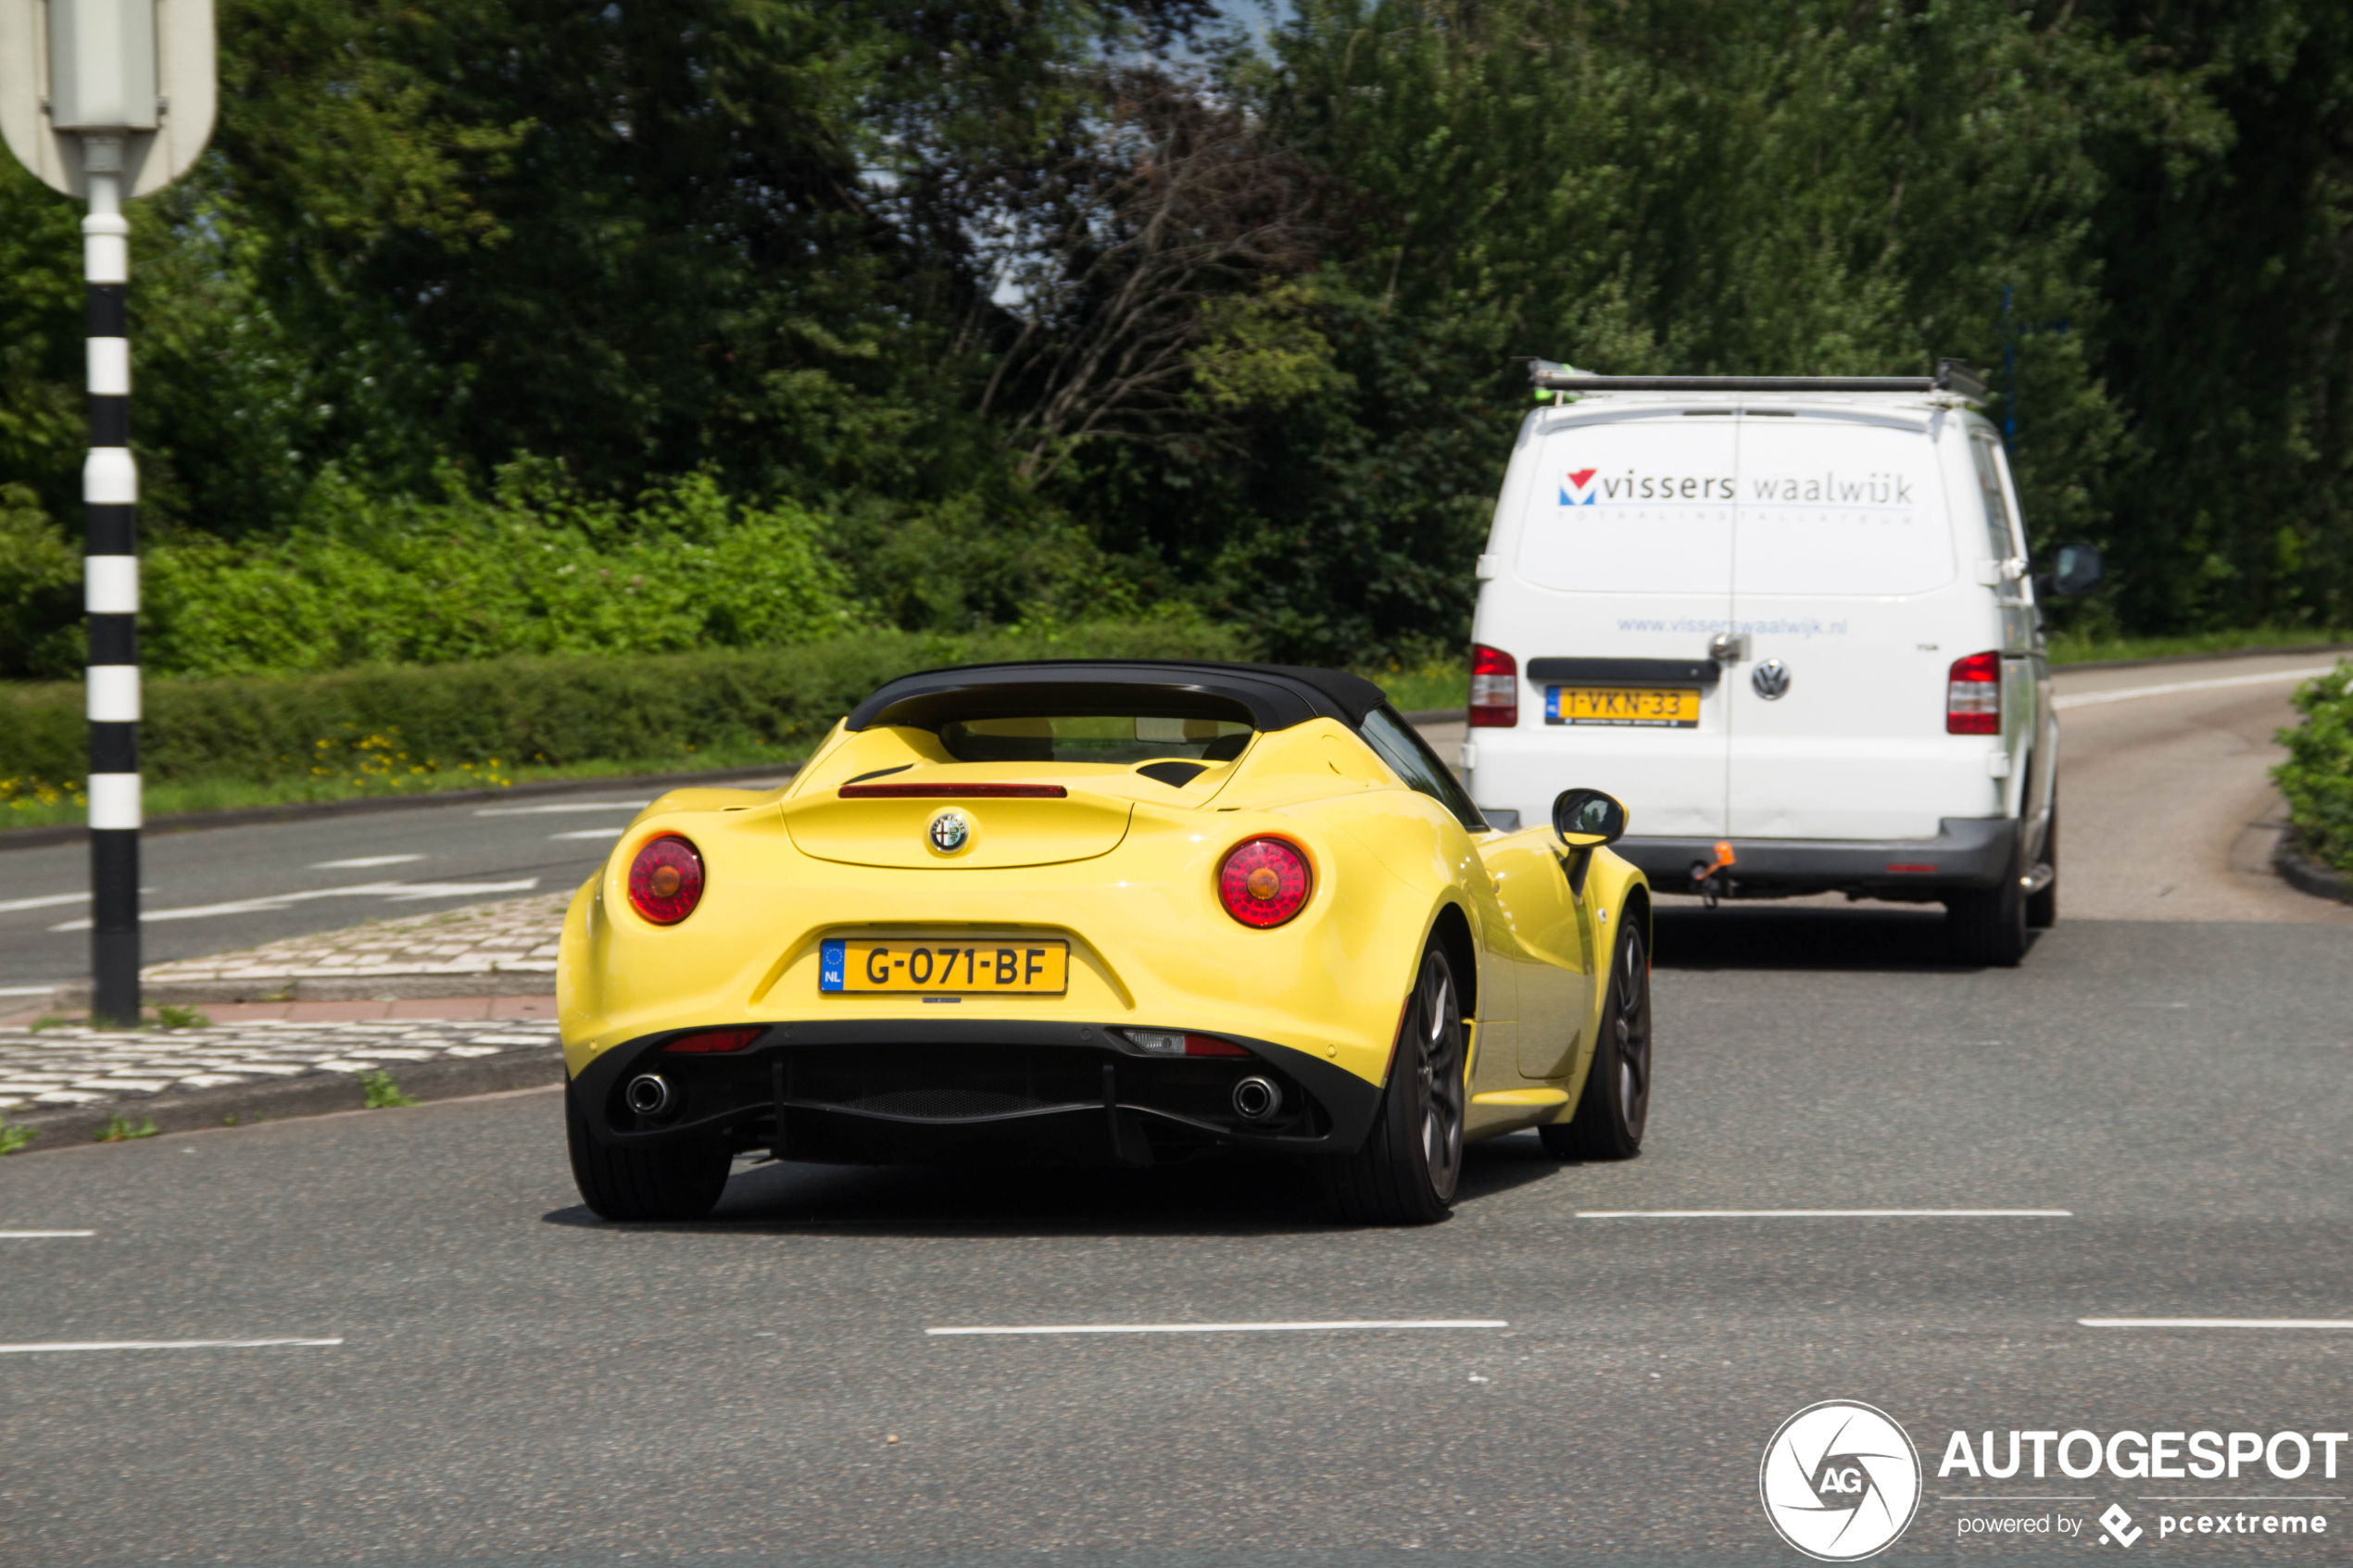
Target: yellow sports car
{"type": "Point", "coordinates": [1106, 912]}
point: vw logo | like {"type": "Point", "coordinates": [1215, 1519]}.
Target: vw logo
{"type": "Point", "coordinates": [950, 832]}
{"type": "Point", "coordinates": [1840, 1481]}
{"type": "Point", "coordinates": [1772, 680]}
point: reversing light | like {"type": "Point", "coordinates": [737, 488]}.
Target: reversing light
{"type": "Point", "coordinates": [1973, 695]}
{"type": "Point", "coordinates": [1171, 1042]}
{"type": "Point", "coordinates": [1495, 690]}
{"type": "Point", "coordinates": [665, 880]}
{"type": "Point", "coordinates": [1264, 882]}
{"type": "Point", "coordinates": [712, 1040]}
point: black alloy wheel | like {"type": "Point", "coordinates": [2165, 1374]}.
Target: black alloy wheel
{"type": "Point", "coordinates": [681, 1180]}
{"type": "Point", "coordinates": [1616, 1105]}
{"type": "Point", "coordinates": [1411, 1160]}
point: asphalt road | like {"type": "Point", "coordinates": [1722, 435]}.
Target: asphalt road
{"type": "Point", "coordinates": [217, 889]}
{"type": "Point", "coordinates": [515, 1382]}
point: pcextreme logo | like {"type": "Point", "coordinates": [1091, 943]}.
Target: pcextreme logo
{"type": "Point", "coordinates": [1840, 1481]}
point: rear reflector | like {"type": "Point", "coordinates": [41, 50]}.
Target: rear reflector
{"type": "Point", "coordinates": [1911, 867]}
{"type": "Point", "coordinates": [1494, 688]}
{"type": "Point", "coordinates": [1169, 1042]}
{"type": "Point", "coordinates": [712, 1040]}
{"type": "Point", "coordinates": [953, 792]}
{"type": "Point", "coordinates": [1973, 695]}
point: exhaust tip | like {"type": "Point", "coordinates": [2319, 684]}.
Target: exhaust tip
{"type": "Point", "coordinates": [647, 1094]}
{"type": "Point", "coordinates": [1257, 1099]}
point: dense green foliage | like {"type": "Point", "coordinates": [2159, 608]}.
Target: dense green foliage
{"type": "Point", "coordinates": [937, 318]}
{"type": "Point", "coordinates": [390, 728]}
{"type": "Point", "coordinates": [2317, 778]}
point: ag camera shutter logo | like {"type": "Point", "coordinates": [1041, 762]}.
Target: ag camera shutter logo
{"type": "Point", "coordinates": [1840, 1481]}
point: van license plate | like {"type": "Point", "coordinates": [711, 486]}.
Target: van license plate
{"type": "Point", "coordinates": [1656, 708]}
{"type": "Point", "coordinates": [945, 965]}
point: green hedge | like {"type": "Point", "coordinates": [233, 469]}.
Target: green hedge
{"type": "Point", "coordinates": [518, 712]}
{"type": "Point", "coordinates": [2317, 778]}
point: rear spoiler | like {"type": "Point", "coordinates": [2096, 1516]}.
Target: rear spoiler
{"type": "Point", "coordinates": [1952, 375]}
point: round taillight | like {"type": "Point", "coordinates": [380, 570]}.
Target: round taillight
{"type": "Point", "coordinates": [665, 880]}
{"type": "Point", "coordinates": [1264, 882]}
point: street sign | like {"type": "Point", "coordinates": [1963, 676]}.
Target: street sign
{"type": "Point", "coordinates": [103, 85]}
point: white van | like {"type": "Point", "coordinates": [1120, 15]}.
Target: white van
{"type": "Point", "coordinates": [1789, 621]}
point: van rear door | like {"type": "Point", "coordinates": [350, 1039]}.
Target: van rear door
{"type": "Point", "coordinates": [1627, 538]}
{"type": "Point", "coordinates": [1846, 586]}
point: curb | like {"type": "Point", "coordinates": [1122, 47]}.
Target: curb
{"type": "Point", "coordinates": [328, 988]}
{"type": "Point", "coordinates": [2304, 873]}
{"type": "Point", "coordinates": [313, 1095]}
{"type": "Point", "coordinates": [305, 810]}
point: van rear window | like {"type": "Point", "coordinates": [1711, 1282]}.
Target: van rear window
{"type": "Point", "coordinates": [1811, 505]}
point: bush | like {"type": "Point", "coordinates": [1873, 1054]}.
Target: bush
{"type": "Point", "coordinates": [535, 568]}
{"type": "Point", "coordinates": [2317, 778]}
{"type": "Point", "coordinates": [521, 712]}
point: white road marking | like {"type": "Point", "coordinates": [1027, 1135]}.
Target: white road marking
{"type": "Point", "coordinates": [35, 1235]}
{"type": "Point", "coordinates": [2085, 700]}
{"type": "Point", "coordinates": [1230, 1327]}
{"type": "Point", "coordinates": [26, 990]}
{"type": "Point", "coordinates": [155, 1345]}
{"type": "Point", "coordinates": [566, 805]}
{"type": "Point", "coordinates": [1825, 1213]}
{"type": "Point", "coordinates": [49, 902]}
{"type": "Point", "coordinates": [363, 862]}
{"type": "Point", "coordinates": [2216, 1322]}
{"type": "Point", "coordinates": [592, 833]}
{"type": "Point", "coordinates": [397, 892]}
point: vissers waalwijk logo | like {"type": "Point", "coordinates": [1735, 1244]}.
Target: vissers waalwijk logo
{"type": "Point", "coordinates": [1577, 489]}
{"type": "Point", "coordinates": [1840, 1481]}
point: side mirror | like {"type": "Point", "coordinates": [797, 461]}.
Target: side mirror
{"type": "Point", "coordinates": [1586, 819]}
{"type": "Point", "coordinates": [2076, 570]}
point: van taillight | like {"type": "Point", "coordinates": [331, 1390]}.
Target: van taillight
{"type": "Point", "coordinates": [1973, 695]}
{"type": "Point", "coordinates": [1494, 698]}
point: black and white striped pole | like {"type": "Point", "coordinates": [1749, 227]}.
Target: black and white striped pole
{"type": "Point", "coordinates": [105, 100]}
{"type": "Point", "coordinates": [110, 576]}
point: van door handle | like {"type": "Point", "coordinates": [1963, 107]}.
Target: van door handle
{"type": "Point", "coordinates": [1728, 648]}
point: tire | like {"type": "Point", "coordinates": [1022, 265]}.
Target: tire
{"type": "Point", "coordinates": [675, 1181]}
{"type": "Point", "coordinates": [1987, 927]}
{"type": "Point", "coordinates": [1616, 1105]}
{"type": "Point", "coordinates": [2041, 908]}
{"type": "Point", "coordinates": [1411, 1160]}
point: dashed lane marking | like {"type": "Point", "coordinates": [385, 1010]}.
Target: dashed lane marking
{"type": "Point", "coordinates": [1229, 1328]}
{"type": "Point", "coordinates": [362, 862]}
{"type": "Point", "coordinates": [1825, 1213]}
{"type": "Point", "coordinates": [155, 1345]}
{"type": "Point", "coordinates": [591, 833]}
{"type": "Point", "coordinates": [2216, 1322]}
{"type": "Point", "coordinates": [36, 1235]}
{"type": "Point", "coordinates": [566, 806]}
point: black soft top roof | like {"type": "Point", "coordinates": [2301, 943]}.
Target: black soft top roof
{"type": "Point", "coordinates": [1270, 696]}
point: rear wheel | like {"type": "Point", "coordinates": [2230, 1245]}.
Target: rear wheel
{"type": "Point", "coordinates": [2041, 908]}
{"type": "Point", "coordinates": [672, 1181]}
{"type": "Point", "coordinates": [1616, 1105]}
{"type": "Point", "coordinates": [1988, 926]}
{"type": "Point", "coordinates": [1406, 1173]}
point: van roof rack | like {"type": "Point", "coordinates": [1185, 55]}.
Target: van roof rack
{"type": "Point", "coordinates": [1952, 375]}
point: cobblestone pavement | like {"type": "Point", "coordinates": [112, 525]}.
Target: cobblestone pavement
{"type": "Point", "coordinates": [518, 935]}
{"type": "Point", "coordinates": [73, 1066]}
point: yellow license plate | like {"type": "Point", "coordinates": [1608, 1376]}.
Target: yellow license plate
{"type": "Point", "coordinates": [942, 965]}
{"type": "Point", "coordinates": [1662, 707]}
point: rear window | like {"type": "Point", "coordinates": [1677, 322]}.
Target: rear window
{"type": "Point", "coordinates": [1713, 503]}
{"type": "Point", "coordinates": [1117, 738]}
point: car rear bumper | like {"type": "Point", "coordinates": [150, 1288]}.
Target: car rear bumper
{"type": "Point", "coordinates": [1967, 853]}
{"type": "Point", "coordinates": [881, 1091]}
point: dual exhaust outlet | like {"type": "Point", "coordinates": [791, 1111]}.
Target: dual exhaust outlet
{"type": "Point", "coordinates": [1254, 1098]}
